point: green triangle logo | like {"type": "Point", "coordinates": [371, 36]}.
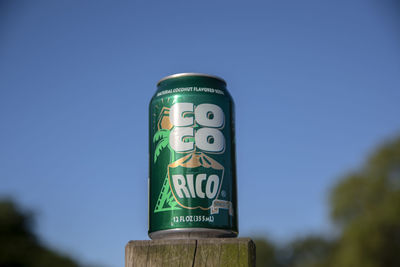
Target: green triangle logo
{"type": "Point", "coordinates": [166, 200]}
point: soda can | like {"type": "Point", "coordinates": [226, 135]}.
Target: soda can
{"type": "Point", "coordinates": [192, 177]}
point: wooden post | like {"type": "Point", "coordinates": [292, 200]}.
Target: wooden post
{"type": "Point", "coordinates": [188, 252]}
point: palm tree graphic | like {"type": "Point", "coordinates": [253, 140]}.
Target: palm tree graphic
{"type": "Point", "coordinates": [166, 200]}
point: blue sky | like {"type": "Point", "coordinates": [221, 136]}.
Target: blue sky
{"type": "Point", "coordinates": [316, 86]}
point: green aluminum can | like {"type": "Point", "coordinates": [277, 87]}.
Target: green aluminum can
{"type": "Point", "coordinates": [192, 180]}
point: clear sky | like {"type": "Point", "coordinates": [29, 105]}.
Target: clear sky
{"type": "Point", "coordinates": [316, 86]}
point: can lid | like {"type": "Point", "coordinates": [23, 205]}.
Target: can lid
{"type": "Point", "coordinates": [190, 74]}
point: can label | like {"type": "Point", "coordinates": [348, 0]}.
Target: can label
{"type": "Point", "coordinates": [192, 172]}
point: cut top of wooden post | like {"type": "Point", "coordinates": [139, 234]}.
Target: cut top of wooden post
{"type": "Point", "coordinates": [189, 252]}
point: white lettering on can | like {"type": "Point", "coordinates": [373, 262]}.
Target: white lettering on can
{"type": "Point", "coordinates": [182, 183]}
{"type": "Point", "coordinates": [208, 137]}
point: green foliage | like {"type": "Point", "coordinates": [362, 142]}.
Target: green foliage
{"type": "Point", "coordinates": [354, 196]}
{"type": "Point", "coordinates": [265, 253]}
{"type": "Point", "coordinates": [365, 205]}
{"type": "Point", "coordinates": [372, 240]}
{"type": "Point", "coordinates": [310, 251]}
{"type": "Point", "coordinates": [19, 246]}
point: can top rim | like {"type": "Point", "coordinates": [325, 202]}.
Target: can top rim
{"type": "Point", "coordinates": [184, 74]}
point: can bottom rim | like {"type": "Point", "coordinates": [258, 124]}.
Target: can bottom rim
{"type": "Point", "coordinates": [192, 233]}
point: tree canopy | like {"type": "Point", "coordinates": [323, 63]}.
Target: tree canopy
{"type": "Point", "coordinates": [19, 246]}
{"type": "Point", "coordinates": [365, 207]}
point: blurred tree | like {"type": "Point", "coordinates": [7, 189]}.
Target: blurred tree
{"type": "Point", "coordinates": [366, 206]}
{"type": "Point", "coordinates": [18, 244]}
{"type": "Point", "coordinates": [266, 253]}
{"type": "Point", "coordinates": [310, 251]}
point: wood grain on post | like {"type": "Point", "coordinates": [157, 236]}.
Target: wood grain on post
{"type": "Point", "coordinates": [186, 252]}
